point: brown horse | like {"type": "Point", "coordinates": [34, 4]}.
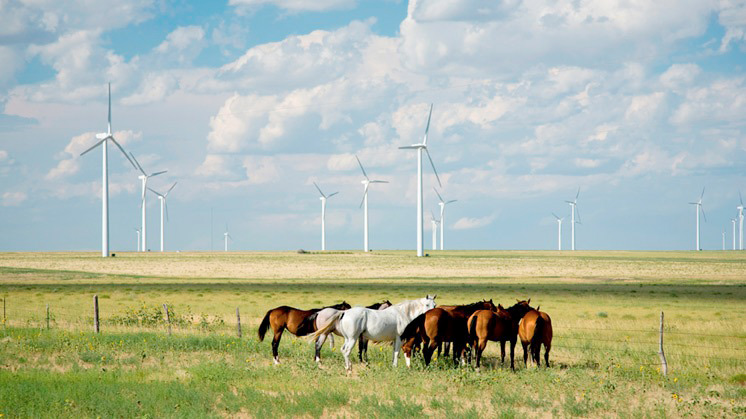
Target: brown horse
{"type": "Point", "coordinates": [536, 329]}
{"type": "Point", "coordinates": [497, 326]}
{"type": "Point", "coordinates": [290, 318]}
{"type": "Point", "coordinates": [440, 325]}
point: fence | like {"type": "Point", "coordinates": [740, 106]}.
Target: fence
{"type": "Point", "coordinates": [629, 347]}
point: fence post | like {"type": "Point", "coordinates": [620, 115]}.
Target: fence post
{"type": "Point", "coordinates": [664, 364]}
{"type": "Point", "coordinates": [47, 316]}
{"type": "Point", "coordinates": [95, 313]}
{"type": "Point", "coordinates": [5, 320]}
{"type": "Point", "coordinates": [168, 319]}
{"type": "Point", "coordinates": [238, 320]}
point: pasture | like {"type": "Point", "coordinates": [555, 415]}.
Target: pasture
{"type": "Point", "coordinates": [605, 309]}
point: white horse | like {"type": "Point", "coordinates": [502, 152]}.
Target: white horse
{"type": "Point", "coordinates": [380, 326]}
{"type": "Point", "coordinates": [322, 318]}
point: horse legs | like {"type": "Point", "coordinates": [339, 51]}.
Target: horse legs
{"type": "Point", "coordinates": [331, 340]}
{"type": "Point", "coordinates": [547, 347]}
{"type": "Point", "coordinates": [346, 350]}
{"type": "Point", "coordinates": [319, 344]}
{"type": "Point", "coordinates": [362, 348]}
{"type": "Point", "coordinates": [512, 354]}
{"type": "Point", "coordinates": [397, 347]}
{"type": "Point", "coordinates": [479, 349]}
{"type": "Point", "coordinates": [276, 345]}
{"type": "Point", "coordinates": [427, 351]}
{"type": "Point", "coordinates": [525, 353]}
{"type": "Point", "coordinates": [440, 347]}
{"type": "Point", "coordinates": [502, 351]}
{"type": "Point", "coordinates": [446, 349]}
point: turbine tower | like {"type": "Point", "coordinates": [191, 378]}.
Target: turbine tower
{"type": "Point", "coordinates": [164, 206]}
{"type": "Point", "coordinates": [138, 237]}
{"type": "Point", "coordinates": [699, 208]}
{"type": "Point", "coordinates": [364, 203]}
{"type": "Point", "coordinates": [323, 199]}
{"type": "Point", "coordinates": [434, 224]}
{"type": "Point", "coordinates": [420, 147]}
{"type": "Point", "coordinates": [144, 178]}
{"type": "Point", "coordinates": [442, 205]}
{"type": "Point", "coordinates": [559, 231]}
{"type": "Point", "coordinates": [733, 221]}
{"type": "Point", "coordinates": [573, 211]}
{"type": "Point", "coordinates": [740, 222]}
{"type": "Point", "coordinates": [102, 137]}
{"type": "Point", "coordinates": [723, 239]}
{"type": "Point", "coordinates": [226, 236]}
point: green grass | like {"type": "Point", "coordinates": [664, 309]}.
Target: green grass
{"type": "Point", "coordinates": [605, 308]}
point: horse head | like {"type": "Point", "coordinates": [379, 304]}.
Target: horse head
{"type": "Point", "coordinates": [519, 309]}
{"type": "Point", "coordinates": [429, 301]}
{"type": "Point", "coordinates": [489, 305]}
{"type": "Point", "coordinates": [385, 304]}
{"type": "Point", "coordinates": [341, 306]}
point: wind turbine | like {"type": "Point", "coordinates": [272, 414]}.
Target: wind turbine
{"type": "Point", "coordinates": [420, 147]}
{"type": "Point", "coordinates": [698, 204]}
{"type": "Point", "coordinates": [733, 221]}
{"type": "Point", "coordinates": [102, 137]}
{"type": "Point", "coordinates": [226, 236]}
{"type": "Point", "coordinates": [740, 222]}
{"type": "Point", "coordinates": [364, 203]}
{"type": "Point", "coordinates": [138, 238]}
{"type": "Point", "coordinates": [144, 178]}
{"type": "Point", "coordinates": [323, 199]}
{"type": "Point", "coordinates": [559, 231]}
{"type": "Point", "coordinates": [434, 223]}
{"type": "Point", "coordinates": [164, 206]}
{"type": "Point", "coordinates": [442, 205]}
{"type": "Point", "coordinates": [723, 239]}
{"type": "Point", "coordinates": [573, 211]}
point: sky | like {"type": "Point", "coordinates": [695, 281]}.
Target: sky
{"type": "Point", "coordinates": [638, 104]}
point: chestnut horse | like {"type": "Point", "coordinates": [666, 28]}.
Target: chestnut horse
{"type": "Point", "coordinates": [440, 325]}
{"type": "Point", "coordinates": [536, 329]}
{"type": "Point", "coordinates": [290, 318]}
{"type": "Point", "coordinates": [497, 326]}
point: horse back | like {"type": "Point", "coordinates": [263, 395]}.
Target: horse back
{"type": "Point", "coordinates": [527, 327]}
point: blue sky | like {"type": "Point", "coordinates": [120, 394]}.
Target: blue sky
{"type": "Point", "coordinates": [246, 103]}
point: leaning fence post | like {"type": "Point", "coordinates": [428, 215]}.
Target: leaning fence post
{"type": "Point", "coordinates": [95, 313]}
{"type": "Point", "coordinates": [664, 364]}
{"type": "Point", "coordinates": [47, 316]}
{"type": "Point", "coordinates": [238, 322]}
{"type": "Point", "coordinates": [168, 319]}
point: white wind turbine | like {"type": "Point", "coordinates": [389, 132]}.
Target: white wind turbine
{"type": "Point", "coordinates": [102, 137]}
{"type": "Point", "coordinates": [559, 231]}
{"type": "Point", "coordinates": [226, 236]}
{"type": "Point", "coordinates": [364, 203]}
{"type": "Point", "coordinates": [573, 211]}
{"type": "Point", "coordinates": [164, 206]}
{"type": "Point", "coordinates": [699, 208]}
{"type": "Point", "coordinates": [434, 224]}
{"type": "Point", "coordinates": [420, 147]}
{"type": "Point", "coordinates": [323, 199]}
{"type": "Point", "coordinates": [442, 205]}
{"type": "Point", "coordinates": [733, 221]}
{"type": "Point", "coordinates": [138, 238]}
{"type": "Point", "coordinates": [740, 222]}
{"type": "Point", "coordinates": [723, 239]}
{"type": "Point", "coordinates": [144, 178]}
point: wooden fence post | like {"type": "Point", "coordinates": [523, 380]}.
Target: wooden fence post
{"type": "Point", "coordinates": [664, 364]}
{"type": "Point", "coordinates": [47, 316]}
{"type": "Point", "coordinates": [95, 313]}
{"type": "Point", "coordinates": [238, 320]}
{"type": "Point", "coordinates": [168, 319]}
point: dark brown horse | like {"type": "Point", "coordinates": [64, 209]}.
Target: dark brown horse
{"type": "Point", "coordinates": [290, 318]}
{"type": "Point", "coordinates": [497, 326]}
{"type": "Point", "coordinates": [440, 325]}
{"type": "Point", "coordinates": [536, 329]}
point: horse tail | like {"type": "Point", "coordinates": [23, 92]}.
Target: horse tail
{"type": "Point", "coordinates": [307, 325]}
{"type": "Point", "coordinates": [473, 329]}
{"type": "Point", "coordinates": [264, 326]}
{"type": "Point", "coordinates": [538, 336]}
{"type": "Point", "coordinates": [329, 326]}
{"type": "Point", "coordinates": [413, 327]}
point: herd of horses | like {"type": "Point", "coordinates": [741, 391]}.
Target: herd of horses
{"type": "Point", "coordinates": [414, 325]}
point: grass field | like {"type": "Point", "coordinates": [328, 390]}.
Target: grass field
{"type": "Point", "coordinates": [605, 308]}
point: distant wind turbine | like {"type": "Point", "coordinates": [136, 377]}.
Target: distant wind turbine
{"type": "Point", "coordinates": [226, 236]}
{"type": "Point", "coordinates": [102, 137]}
{"type": "Point", "coordinates": [559, 231]}
{"type": "Point", "coordinates": [364, 203]}
{"type": "Point", "coordinates": [573, 211]}
{"type": "Point", "coordinates": [323, 199]}
{"type": "Point", "coordinates": [138, 238]}
{"type": "Point", "coordinates": [740, 222]}
{"type": "Point", "coordinates": [434, 223]}
{"type": "Point", "coordinates": [723, 239]}
{"type": "Point", "coordinates": [420, 147]}
{"type": "Point", "coordinates": [442, 205]}
{"type": "Point", "coordinates": [699, 208]}
{"type": "Point", "coordinates": [164, 206]}
{"type": "Point", "coordinates": [144, 178]}
{"type": "Point", "coordinates": [733, 221]}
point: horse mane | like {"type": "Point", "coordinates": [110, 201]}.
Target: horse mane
{"type": "Point", "coordinates": [341, 306]}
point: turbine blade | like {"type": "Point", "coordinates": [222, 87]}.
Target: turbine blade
{"type": "Point", "coordinates": [432, 215]}
{"type": "Point", "coordinates": [361, 167]}
{"type": "Point", "coordinates": [153, 190]}
{"type": "Point", "coordinates": [109, 106]}
{"type": "Point", "coordinates": [578, 214]}
{"type": "Point", "coordinates": [159, 173]}
{"type": "Point", "coordinates": [319, 189]}
{"type": "Point", "coordinates": [570, 202]}
{"type": "Point", "coordinates": [451, 201]}
{"type": "Point", "coordinates": [433, 165]}
{"type": "Point", "coordinates": [379, 181]}
{"type": "Point", "coordinates": [365, 193]}
{"type": "Point", "coordinates": [740, 198]}
{"type": "Point", "coordinates": [169, 189]}
{"type": "Point", "coordinates": [93, 146]}
{"type": "Point", "coordinates": [702, 194]}
{"type": "Point", "coordinates": [123, 152]}
{"type": "Point", "coordinates": [102, 136]}
{"type": "Point", "coordinates": [331, 195]}
{"type": "Point", "coordinates": [145, 186]}
{"type": "Point", "coordinates": [439, 197]}
{"type": "Point", "coordinates": [165, 205]}
{"type": "Point", "coordinates": [555, 216]}
{"type": "Point", "coordinates": [138, 167]}
{"type": "Point", "coordinates": [427, 128]}
{"type": "Point", "coordinates": [408, 147]}
{"type": "Point", "coordinates": [703, 212]}
{"type": "Point", "coordinates": [577, 194]}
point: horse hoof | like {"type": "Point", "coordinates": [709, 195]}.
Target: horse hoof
{"type": "Point", "coordinates": [277, 361]}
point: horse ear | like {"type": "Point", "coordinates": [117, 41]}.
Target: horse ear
{"type": "Point", "coordinates": [500, 306]}
{"type": "Point", "coordinates": [517, 300]}
{"type": "Point", "coordinates": [529, 301]}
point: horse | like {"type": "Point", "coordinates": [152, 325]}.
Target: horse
{"type": "Point", "coordinates": [378, 325]}
{"type": "Point", "coordinates": [440, 325]}
{"type": "Point", "coordinates": [536, 329]}
{"type": "Point", "coordinates": [500, 326]}
{"type": "Point", "coordinates": [290, 318]}
{"type": "Point", "coordinates": [321, 318]}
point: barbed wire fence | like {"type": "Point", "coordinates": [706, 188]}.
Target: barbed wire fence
{"type": "Point", "coordinates": [171, 319]}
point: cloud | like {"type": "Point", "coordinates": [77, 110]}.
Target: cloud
{"type": "Point", "coordinates": [69, 163]}
{"type": "Point", "coordinates": [468, 223]}
{"type": "Point", "coordinates": [13, 199]}
{"type": "Point", "coordinates": [182, 45]}
{"type": "Point", "coordinates": [298, 5]}
{"type": "Point", "coordinates": [260, 170]}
